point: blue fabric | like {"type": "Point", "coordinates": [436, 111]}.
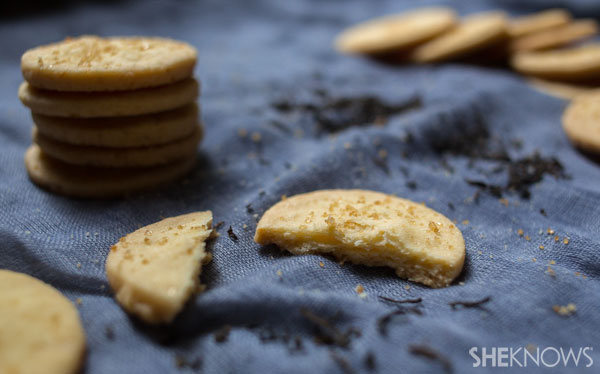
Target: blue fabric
{"type": "Point", "coordinates": [254, 53]}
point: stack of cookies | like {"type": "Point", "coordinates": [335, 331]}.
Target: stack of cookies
{"type": "Point", "coordinates": [113, 116]}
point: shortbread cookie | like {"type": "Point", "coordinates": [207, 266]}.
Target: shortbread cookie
{"type": "Point", "coordinates": [120, 157]}
{"type": "Point", "coordinates": [369, 228]}
{"type": "Point", "coordinates": [40, 329]}
{"type": "Point", "coordinates": [555, 37]}
{"type": "Point", "coordinates": [154, 270]}
{"type": "Point", "coordinates": [109, 104]}
{"type": "Point", "coordinates": [397, 32]}
{"type": "Point", "coordinates": [562, 90]}
{"type": "Point", "coordinates": [538, 22]}
{"type": "Point", "coordinates": [565, 64]}
{"type": "Point", "coordinates": [90, 182]}
{"type": "Point", "coordinates": [472, 34]}
{"type": "Point", "coordinates": [581, 121]}
{"type": "Point", "coordinates": [136, 131]}
{"type": "Point", "coordinates": [91, 63]}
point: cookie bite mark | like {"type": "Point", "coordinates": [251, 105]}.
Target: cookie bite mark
{"type": "Point", "coordinates": [369, 228]}
{"type": "Point", "coordinates": [154, 270]}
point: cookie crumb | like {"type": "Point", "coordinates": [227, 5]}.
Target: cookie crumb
{"type": "Point", "coordinates": [542, 247]}
{"type": "Point", "coordinates": [550, 231]}
{"type": "Point", "coordinates": [359, 289]}
{"type": "Point", "coordinates": [279, 273]}
{"type": "Point", "coordinates": [464, 222]}
{"type": "Point", "coordinates": [551, 272]}
{"type": "Point", "coordinates": [256, 137]}
{"type": "Point", "coordinates": [527, 237]}
{"type": "Point", "coordinates": [520, 232]}
{"type": "Point", "coordinates": [321, 264]}
{"type": "Point", "coordinates": [566, 241]}
{"type": "Point", "coordinates": [504, 201]}
{"type": "Point", "coordinates": [566, 310]}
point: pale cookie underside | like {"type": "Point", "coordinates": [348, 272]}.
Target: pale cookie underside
{"type": "Point", "coordinates": [581, 121]}
{"type": "Point", "coordinates": [90, 182]}
{"type": "Point", "coordinates": [538, 22]}
{"type": "Point", "coordinates": [397, 32]}
{"type": "Point", "coordinates": [120, 157]}
{"type": "Point", "coordinates": [369, 228]}
{"type": "Point", "coordinates": [40, 329]}
{"type": "Point", "coordinates": [91, 63]}
{"type": "Point", "coordinates": [562, 90]}
{"type": "Point", "coordinates": [556, 37]}
{"type": "Point", "coordinates": [565, 64]}
{"type": "Point", "coordinates": [472, 34]}
{"type": "Point", "coordinates": [110, 103]}
{"type": "Point", "coordinates": [155, 269]}
{"type": "Point", "coordinates": [136, 131]}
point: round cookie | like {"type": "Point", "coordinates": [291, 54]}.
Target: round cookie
{"type": "Point", "coordinates": [120, 157]}
{"type": "Point", "coordinates": [581, 121]}
{"type": "Point", "coordinates": [91, 63]}
{"type": "Point", "coordinates": [537, 22]}
{"type": "Point", "coordinates": [138, 131]}
{"type": "Point", "coordinates": [555, 37]}
{"type": "Point", "coordinates": [369, 228]}
{"type": "Point", "coordinates": [90, 182]}
{"type": "Point", "coordinates": [40, 329]}
{"type": "Point", "coordinates": [109, 104]}
{"type": "Point", "coordinates": [397, 32]}
{"type": "Point", "coordinates": [565, 64]}
{"type": "Point", "coordinates": [472, 34]}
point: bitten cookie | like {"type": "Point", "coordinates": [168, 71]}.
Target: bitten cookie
{"type": "Point", "coordinates": [91, 63]}
{"type": "Point", "coordinates": [472, 34]}
{"type": "Point", "coordinates": [397, 32]}
{"type": "Point", "coordinates": [136, 131]}
{"type": "Point", "coordinates": [581, 121]}
{"type": "Point", "coordinates": [555, 37]}
{"type": "Point", "coordinates": [370, 228]}
{"type": "Point", "coordinates": [537, 22]}
{"type": "Point", "coordinates": [565, 64]}
{"type": "Point", "coordinates": [120, 157]}
{"type": "Point", "coordinates": [90, 182]}
{"type": "Point", "coordinates": [154, 270]}
{"type": "Point", "coordinates": [40, 329]}
{"type": "Point", "coordinates": [109, 104]}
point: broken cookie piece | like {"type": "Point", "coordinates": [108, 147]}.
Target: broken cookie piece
{"type": "Point", "coordinates": [154, 270]}
{"type": "Point", "coordinates": [370, 228]}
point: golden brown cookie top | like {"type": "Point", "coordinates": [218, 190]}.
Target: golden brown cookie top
{"type": "Point", "coordinates": [396, 32]}
{"type": "Point", "coordinates": [91, 63]}
{"type": "Point", "coordinates": [472, 33]}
